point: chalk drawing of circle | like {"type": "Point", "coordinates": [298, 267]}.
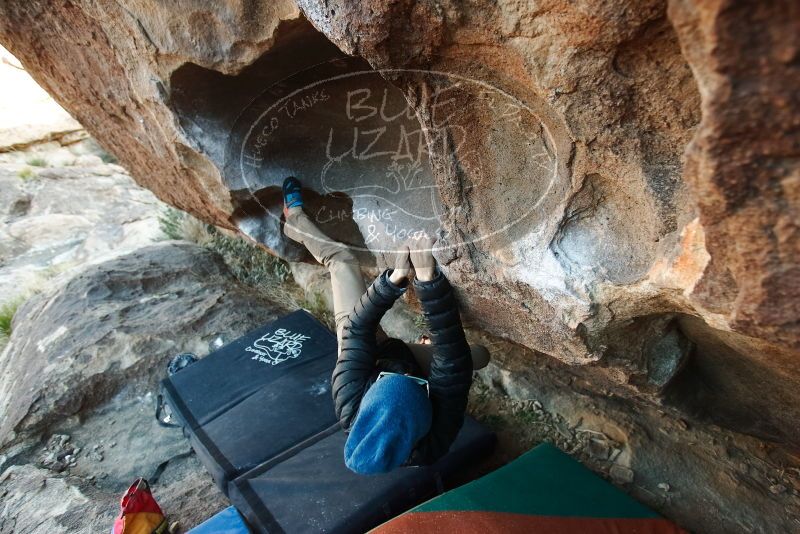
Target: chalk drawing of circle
{"type": "Point", "coordinates": [394, 191]}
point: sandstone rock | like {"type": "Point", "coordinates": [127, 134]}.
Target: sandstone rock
{"type": "Point", "coordinates": [35, 501]}
{"type": "Point", "coordinates": [315, 281]}
{"type": "Point", "coordinates": [14, 200]}
{"type": "Point", "coordinates": [76, 345]}
{"type": "Point", "coordinates": [185, 491]}
{"type": "Point", "coordinates": [740, 163]}
{"type": "Point", "coordinates": [551, 139]}
{"type": "Point", "coordinates": [730, 472]}
{"type": "Point", "coordinates": [68, 217]}
{"type": "Point", "coordinates": [568, 220]}
{"type": "Point", "coordinates": [621, 475]}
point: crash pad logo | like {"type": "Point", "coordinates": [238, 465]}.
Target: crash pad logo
{"type": "Point", "coordinates": [278, 346]}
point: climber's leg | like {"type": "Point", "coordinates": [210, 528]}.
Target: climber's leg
{"type": "Point", "coordinates": [423, 353]}
{"type": "Point", "coordinates": [346, 280]}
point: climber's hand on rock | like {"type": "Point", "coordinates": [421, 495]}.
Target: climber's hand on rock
{"type": "Point", "coordinates": [402, 266]}
{"type": "Point", "coordinates": [422, 258]}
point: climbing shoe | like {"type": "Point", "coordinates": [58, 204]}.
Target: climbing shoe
{"type": "Point", "coordinates": [292, 197]}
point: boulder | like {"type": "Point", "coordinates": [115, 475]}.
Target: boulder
{"type": "Point", "coordinates": [85, 500]}
{"type": "Point", "coordinates": [66, 217]}
{"type": "Point", "coordinates": [115, 325]}
{"type": "Point", "coordinates": [614, 186]}
{"type": "Point", "coordinates": [102, 453]}
{"type": "Point", "coordinates": [35, 501]}
{"type": "Point", "coordinates": [657, 457]}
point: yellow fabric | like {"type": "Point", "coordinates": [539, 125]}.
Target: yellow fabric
{"type": "Point", "coordinates": [143, 523]}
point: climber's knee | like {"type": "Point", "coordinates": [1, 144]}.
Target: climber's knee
{"type": "Point", "coordinates": [341, 255]}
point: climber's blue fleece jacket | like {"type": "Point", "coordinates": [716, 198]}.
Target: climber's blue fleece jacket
{"type": "Point", "coordinates": [451, 368]}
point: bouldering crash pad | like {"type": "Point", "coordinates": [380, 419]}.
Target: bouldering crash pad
{"type": "Point", "coordinates": [228, 521]}
{"type": "Point", "coordinates": [259, 414]}
{"type": "Point", "coordinates": [543, 491]}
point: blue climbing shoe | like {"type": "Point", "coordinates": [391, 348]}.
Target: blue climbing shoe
{"type": "Point", "coordinates": [292, 198]}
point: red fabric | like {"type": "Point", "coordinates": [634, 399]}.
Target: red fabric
{"type": "Point", "coordinates": [136, 501]}
{"type": "Point", "coordinates": [140, 500]}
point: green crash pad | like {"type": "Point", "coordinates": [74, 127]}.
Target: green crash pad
{"type": "Point", "coordinates": [544, 490]}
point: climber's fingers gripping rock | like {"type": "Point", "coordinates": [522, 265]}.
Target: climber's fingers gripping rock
{"type": "Point", "coordinates": [422, 257]}
{"type": "Point", "coordinates": [402, 266]}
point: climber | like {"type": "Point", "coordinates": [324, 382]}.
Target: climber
{"type": "Point", "coordinates": [400, 404]}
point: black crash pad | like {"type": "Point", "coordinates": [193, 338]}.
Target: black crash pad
{"type": "Point", "coordinates": [311, 490]}
{"type": "Point", "coordinates": [257, 396]}
{"type": "Point", "coordinates": [260, 416]}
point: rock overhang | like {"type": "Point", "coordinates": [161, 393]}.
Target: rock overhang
{"type": "Point", "coordinates": [369, 153]}
{"type": "Point", "coordinates": [601, 257]}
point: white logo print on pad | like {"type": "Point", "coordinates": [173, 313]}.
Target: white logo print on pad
{"type": "Point", "coordinates": [279, 346]}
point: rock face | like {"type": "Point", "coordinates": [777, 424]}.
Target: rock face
{"type": "Point", "coordinates": [79, 371]}
{"type": "Point", "coordinates": [663, 461]}
{"type": "Point", "coordinates": [78, 376]}
{"type": "Point", "coordinates": [614, 185]}
{"type": "Point", "coordinates": [68, 216]}
{"type": "Point", "coordinates": [76, 345]}
{"type": "Point", "coordinates": [29, 496]}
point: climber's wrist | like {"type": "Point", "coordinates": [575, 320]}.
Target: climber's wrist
{"type": "Point", "coordinates": [425, 274]}
{"type": "Point", "coordinates": [398, 277]}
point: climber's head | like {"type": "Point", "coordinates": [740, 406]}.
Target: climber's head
{"type": "Point", "coordinates": [394, 415]}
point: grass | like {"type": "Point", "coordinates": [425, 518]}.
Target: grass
{"type": "Point", "coordinates": [251, 265]}
{"type": "Point", "coordinates": [171, 223]}
{"type": "Point", "coordinates": [26, 173]}
{"type": "Point", "coordinates": [526, 415]}
{"type": "Point", "coordinates": [37, 161]}
{"type": "Point", "coordinates": [317, 307]}
{"type": "Point", "coordinates": [268, 274]}
{"type": "Point", "coordinates": [7, 312]}
{"type": "Point", "coordinates": [248, 263]}
{"type": "Point", "coordinates": [108, 158]}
